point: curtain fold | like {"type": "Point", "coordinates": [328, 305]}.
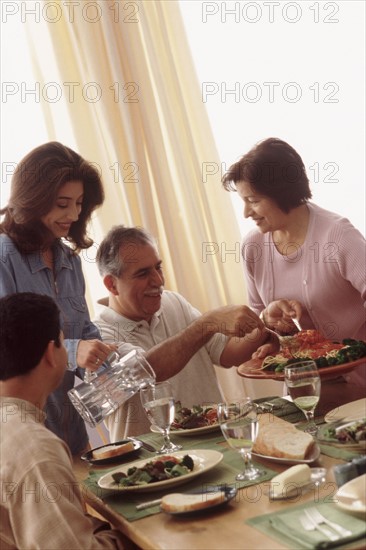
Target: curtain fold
{"type": "Point", "coordinates": [133, 103]}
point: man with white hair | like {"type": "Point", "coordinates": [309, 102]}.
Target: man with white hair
{"type": "Point", "coordinates": [138, 311]}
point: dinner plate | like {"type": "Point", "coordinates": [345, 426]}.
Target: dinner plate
{"type": "Point", "coordinates": [204, 460]}
{"type": "Point", "coordinates": [252, 369]}
{"type": "Point", "coordinates": [349, 445]}
{"type": "Point", "coordinates": [112, 459]}
{"type": "Point", "coordinates": [348, 412]}
{"type": "Point", "coordinates": [313, 456]}
{"type": "Point", "coordinates": [229, 494]}
{"type": "Point", "coordinates": [188, 431]}
{"type": "Point", "coordinates": [351, 496]}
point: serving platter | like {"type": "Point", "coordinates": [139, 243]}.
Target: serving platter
{"type": "Point", "coordinates": [189, 431]}
{"type": "Point", "coordinates": [314, 455]}
{"type": "Point", "coordinates": [253, 369]}
{"type": "Point", "coordinates": [204, 460]}
{"type": "Point", "coordinates": [88, 456]}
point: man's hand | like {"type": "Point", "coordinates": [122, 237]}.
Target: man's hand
{"type": "Point", "coordinates": [279, 314]}
{"type": "Point", "coordinates": [231, 321]}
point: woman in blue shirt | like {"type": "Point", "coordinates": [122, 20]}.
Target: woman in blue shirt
{"type": "Point", "coordinates": [54, 192]}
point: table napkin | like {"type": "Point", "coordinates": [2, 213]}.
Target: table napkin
{"type": "Point", "coordinates": [283, 408]}
{"type": "Point", "coordinates": [224, 473]}
{"type": "Point", "coordinates": [286, 526]}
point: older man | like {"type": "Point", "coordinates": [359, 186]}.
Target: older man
{"type": "Point", "coordinates": [140, 312]}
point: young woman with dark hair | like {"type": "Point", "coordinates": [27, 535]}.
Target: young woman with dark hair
{"type": "Point", "coordinates": [54, 192]}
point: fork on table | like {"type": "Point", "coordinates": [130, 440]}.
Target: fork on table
{"type": "Point", "coordinates": [320, 519]}
{"type": "Point", "coordinates": [310, 524]}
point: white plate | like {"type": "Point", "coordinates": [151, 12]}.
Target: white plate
{"type": "Point", "coordinates": [349, 445]}
{"type": "Point", "coordinates": [88, 456]}
{"type": "Point", "coordinates": [348, 412]}
{"type": "Point", "coordinates": [351, 497]}
{"type": "Point", "coordinates": [203, 460]}
{"type": "Point", "coordinates": [314, 456]}
{"type": "Point", "coordinates": [191, 431]}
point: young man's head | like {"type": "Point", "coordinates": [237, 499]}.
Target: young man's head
{"type": "Point", "coordinates": [28, 324]}
{"type": "Point", "coordinates": [129, 262]}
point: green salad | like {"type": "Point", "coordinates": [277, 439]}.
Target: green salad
{"type": "Point", "coordinates": [353, 432]}
{"type": "Point", "coordinates": [155, 470]}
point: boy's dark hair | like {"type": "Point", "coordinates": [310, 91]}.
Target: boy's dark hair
{"type": "Point", "coordinates": [28, 322]}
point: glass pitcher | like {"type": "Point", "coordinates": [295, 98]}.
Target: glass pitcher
{"type": "Point", "coordinates": [120, 380]}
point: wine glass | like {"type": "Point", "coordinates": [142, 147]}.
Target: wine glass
{"type": "Point", "coordinates": [303, 385]}
{"type": "Point", "coordinates": [159, 406]}
{"type": "Point", "coordinates": [238, 423]}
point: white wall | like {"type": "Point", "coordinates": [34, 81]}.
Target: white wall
{"type": "Point", "coordinates": [293, 70]}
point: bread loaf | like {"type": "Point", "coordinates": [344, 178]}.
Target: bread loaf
{"type": "Point", "coordinates": [183, 502]}
{"type": "Point", "coordinates": [280, 439]}
{"type": "Point", "coordinates": [111, 450]}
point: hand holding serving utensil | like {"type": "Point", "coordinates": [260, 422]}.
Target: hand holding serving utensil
{"type": "Point", "coordinates": [159, 406]}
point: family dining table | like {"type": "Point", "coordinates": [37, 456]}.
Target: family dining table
{"type": "Point", "coordinates": [249, 520]}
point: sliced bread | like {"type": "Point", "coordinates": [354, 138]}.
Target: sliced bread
{"type": "Point", "coordinates": [111, 450]}
{"type": "Point", "coordinates": [183, 502]}
{"type": "Point", "coordinates": [281, 439]}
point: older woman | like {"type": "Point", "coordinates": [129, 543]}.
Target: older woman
{"type": "Point", "coordinates": [299, 252]}
{"type": "Point", "coordinates": [54, 192]}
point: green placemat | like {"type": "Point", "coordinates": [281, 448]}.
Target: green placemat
{"type": "Point", "coordinates": [283, 408]}
{"type": "Point", "coordinates": [224, 473]}
{"type": "Point", "coordinates": [286, 526]}
{"type": "Point", "coordinates": [337, 452]}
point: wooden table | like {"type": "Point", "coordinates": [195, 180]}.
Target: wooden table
{"type": "Point", "coordinates": [223, 529]}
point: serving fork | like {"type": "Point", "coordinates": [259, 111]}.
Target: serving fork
{"type": "Point", "coordinates": [320, 519]}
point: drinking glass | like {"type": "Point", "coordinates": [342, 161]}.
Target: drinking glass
{"type": "Point", "coordinates": [159, 405]}
{"type": "Point", "coordinates": [238, 423]}
{"type": "Point", "coordinates": [303, 385]}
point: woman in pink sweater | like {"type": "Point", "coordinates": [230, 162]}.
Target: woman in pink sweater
{"type": "Point", "coordinates": [313, 258]}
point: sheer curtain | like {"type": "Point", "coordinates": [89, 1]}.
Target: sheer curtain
{"type": "Point", "coordinates": [134, 104]}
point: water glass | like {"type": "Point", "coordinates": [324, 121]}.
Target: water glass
{"type": "Point", "coordinates": [159, 405]}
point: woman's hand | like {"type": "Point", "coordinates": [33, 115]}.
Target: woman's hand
{"type": "Point", "coordinates": [91, 354]}
{"type": "Point", "coordinates": [271, 347]}
{"type": "Point", "coordinates": [279, 314]}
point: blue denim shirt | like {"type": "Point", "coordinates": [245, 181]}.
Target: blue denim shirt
{"type": "Point", "coordinates": [28, 273]}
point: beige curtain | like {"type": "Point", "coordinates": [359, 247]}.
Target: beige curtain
{"type": "Point", "coordinates": [134, 104]}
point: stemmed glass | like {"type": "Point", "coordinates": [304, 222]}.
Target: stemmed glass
{"type": "Point", "coordinates": [303, 385]}
{"type": "Point", "coordinates": [238, 423]}
{"type": "Point", "coordinates": [159, 406]}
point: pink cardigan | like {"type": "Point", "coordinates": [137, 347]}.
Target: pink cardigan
{"type": "Point", "coordinates": [333, 284]}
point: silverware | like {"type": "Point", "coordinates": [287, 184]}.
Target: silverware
{"type": "Point", "coordinates": [267, 407]}
{"type": "Point", "coordinates": [145, 445]}
{"type": "Point", "coordinates": [148, 504]}
{"type": "Point", "coordinates": [309, 524]}
{"type": "Point", "coordinates": [318, 517]}
{"type": "Point", "coordinates": [297, 324]}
